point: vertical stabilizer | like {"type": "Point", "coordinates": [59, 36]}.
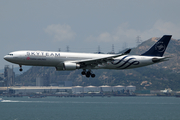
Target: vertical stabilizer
{"type": "Point", "coordinates": [159, 47]}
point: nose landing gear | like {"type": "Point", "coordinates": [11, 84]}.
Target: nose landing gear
{"type": "Point", "coordinates": [20, 68]}
{"type": "Point", "coordinates": [88, 73]}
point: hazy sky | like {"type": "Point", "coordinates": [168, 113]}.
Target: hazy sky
{"type": "Point", "coordinates": [83, 25]}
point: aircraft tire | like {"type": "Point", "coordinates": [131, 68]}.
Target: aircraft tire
{"type": "Point", "coordinates": [93, 75]}
{"type": "Point", "coordinates": [88, 74]}
{"type": "Point", "coordinates": [83, 73]}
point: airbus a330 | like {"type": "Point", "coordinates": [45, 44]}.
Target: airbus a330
{"type": "Point", "coordinates": [88, 61]}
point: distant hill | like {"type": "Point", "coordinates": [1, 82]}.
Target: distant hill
{"type": "Point", "coordinates": [173, 51]}
{"type": "Point", "coordinates": [158, 76]}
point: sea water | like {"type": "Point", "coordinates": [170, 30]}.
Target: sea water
{"type": "Point", "coordinates": [90, 108]}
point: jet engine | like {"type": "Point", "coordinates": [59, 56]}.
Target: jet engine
{"type": "Point", "coordinates": [70, 66]}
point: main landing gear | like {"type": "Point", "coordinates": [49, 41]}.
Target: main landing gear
{"type": "Point", "coordinates": [20, 68]}
{"type": "Point", "coordinates": [88, 73]}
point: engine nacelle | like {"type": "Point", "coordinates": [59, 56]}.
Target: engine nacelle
{"type": "Point", "coordinates": [70, 66]}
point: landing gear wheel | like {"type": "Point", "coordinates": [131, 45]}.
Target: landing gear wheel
{"type": "Point", "coordinates": [83, 73]}
{"type": "Point", "coordinates": [93, 75]}
{"type": "Point", "coordinates": [88, 74]}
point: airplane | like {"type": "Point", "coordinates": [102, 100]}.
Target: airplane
{"type": "Point", "coordinates": [88, 61]}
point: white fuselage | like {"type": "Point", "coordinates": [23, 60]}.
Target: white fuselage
{"type": "Point", "coordinates": [56, 59]}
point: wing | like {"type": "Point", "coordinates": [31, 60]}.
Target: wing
{"type": "Point", "coordinates": [96, 61]}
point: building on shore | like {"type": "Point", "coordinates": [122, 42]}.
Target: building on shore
{"type": "Point", "coordinates": [118, 88]}
{"type": "Point", "coordinates": [130, 89]}
{"type": "Point", "coordinates": [105, 88]}
{"type": "Point", "coordinates": [40, 89]}
{"type": "Point", "coordinates": [9, 76]}
{"type": "Point", "coordinates": [1, 79]}
{"type": "Point", "coordinates": [77, 89]}
{"type": "Point", "coordinates": [74, 89]}
{"type": "Point", "coordinates": [91, 88]}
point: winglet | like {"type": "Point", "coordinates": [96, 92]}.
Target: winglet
{"type": "Point", "coordinates": [127, 52]}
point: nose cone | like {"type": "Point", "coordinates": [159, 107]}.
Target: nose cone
{"type": "Point", "coordinates": [7, 58]}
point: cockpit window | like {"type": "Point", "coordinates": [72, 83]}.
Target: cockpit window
{"type": "Point", "coordinates": [10, 54]}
